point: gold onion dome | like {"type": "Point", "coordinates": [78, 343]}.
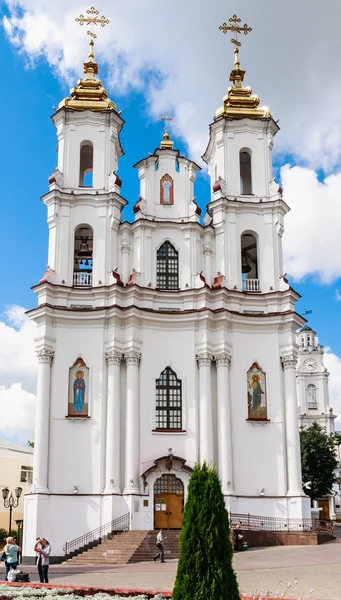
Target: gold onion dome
{"type": "Point", "coordinates": [89, 93]}
{"type": "Point", "coordinates": [240, 102]}
{"type": "Point", "coordinates": [166, 142]}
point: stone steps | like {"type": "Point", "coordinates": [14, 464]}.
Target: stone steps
{"type": "Point", "coordinates": [129, 547]}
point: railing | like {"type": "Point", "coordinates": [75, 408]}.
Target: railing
{"type": "Point", "coordinates": [251, 285]}
{"type": "Point", "coordinates": [82, 278]}
{"type": "Point", "coordinates": [96, 536]}
{"type": "Point", "coordinates": [256, 523]}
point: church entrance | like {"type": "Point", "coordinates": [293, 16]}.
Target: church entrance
{"type": "Point", "coordinates": [168, 502]}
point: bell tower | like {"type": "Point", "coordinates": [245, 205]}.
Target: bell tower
{"type": "Point", "coordinates": [312, 382]}
{"type": "Point", "coordinates": [84, 202]}
{"type": "Point", "coordinates": [246, 203]}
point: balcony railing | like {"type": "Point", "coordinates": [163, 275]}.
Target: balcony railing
{"type": "Point", "coordinates": [251, 285]}
{"type": "Point", "coordinates": [82, 279]}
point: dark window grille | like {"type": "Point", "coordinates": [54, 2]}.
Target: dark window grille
{"type": "Point", "coordinates": [168, 401]}
{"type": "Point", "coordinates": [167, 267]}
{"type": "Point", "coordinates": [168, 484]}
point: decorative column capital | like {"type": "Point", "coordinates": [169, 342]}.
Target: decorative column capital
{"type": "Point", "coordinates": [289, 361]}
{"type": "Point", "coordinates": [125, 247]}
{"type": "Point", "coordinates": [45, 356]}
{"type": "Point", "coordinates": [132, 358]}
{"type": "Point", "coordinates": [113, 357]}
{"type": "Point", "coordinates": [204, 359]}
{"type": "Point", "coordinates": [208, 250]}
{"type": "Point", "coordinates": [223, 359]}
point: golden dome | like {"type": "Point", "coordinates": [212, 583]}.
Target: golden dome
{"type": "Point", "coordinates": [89, 93]}
{"type": "Point", "coordinates": [239, 102]}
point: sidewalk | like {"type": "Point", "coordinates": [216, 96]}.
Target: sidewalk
{"type": "Point", "coordinates": [315, 567]}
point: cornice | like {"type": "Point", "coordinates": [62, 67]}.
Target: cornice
{"type": "Point", "coordinates": [67, 197]}
{"type": "Point", "coordinates": [261, 205]}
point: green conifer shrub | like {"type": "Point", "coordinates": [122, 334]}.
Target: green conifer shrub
{"type": "Point", "coordinates": [205, 569]}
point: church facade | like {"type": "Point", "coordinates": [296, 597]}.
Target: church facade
{"type": "Point", "coordinates": [165, 341]}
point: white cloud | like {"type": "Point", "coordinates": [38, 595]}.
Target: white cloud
{"type": "Point", "coordinates": [312, 227]}
{"type": "Point", "coordinates": [182, 61]}
{"type": "Point", "coordinates": [333, 364]}
{"type": "Point", "coordinates": [18, 375]}
{"type": "Point", "coordinates": [337, 295]}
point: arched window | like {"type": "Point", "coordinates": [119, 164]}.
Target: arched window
{"type": "Point", "coordinates": [166, 190]}
{"type": "Point", "coordinates": [86, 165]}
{"type": "Point", "coordinates": [83, 256]}
{"type": "Point", "coordinates": [168, 401]}
{"type": "Point", "coordinates": [302, 341]}
{"type": "Point", "coordinates": [311, 396]}
{"type": "Point", "coordinates": [245, 172]}
{"type": "Point", "coordinates": [167, 267]}
{"type": "Point", "coordinates": [249, 260]}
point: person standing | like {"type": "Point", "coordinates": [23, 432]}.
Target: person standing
{"type": "Point", "coordinates": [159, 544]}
{"type": "Point", "coordinates": [43, 549]}
{"type": "Point", "coordinates": [237, 536]}
{"type": "Point", "coordinates": [11, 550]}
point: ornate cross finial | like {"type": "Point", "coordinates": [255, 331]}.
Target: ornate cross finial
{"type": "Point", "coordinates": [166, 119]}
{"type": "Point", "coordinates": [92, 19]}
{"type": "Point", "coordinates": [235, 28]}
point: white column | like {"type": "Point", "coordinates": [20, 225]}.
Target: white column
{"type": "Point", "coordinates": [132, 470]}
{"type": "Point", "coordinates": [113, 447]}
{"type": "Point", "coordinates": [205, 408]}
{"type": "Point", "coordinates": [292, 427]}
{"type": "Point", "coordinates": [125, 249]}
{"type": "Point", "coordinates": [224, 423]}
{"type": "Point", "coordinates": [208, 264]}
{"type": "Point", "coordinates": [42, 426]}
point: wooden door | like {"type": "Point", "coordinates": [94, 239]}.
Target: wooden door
{"type": "Point", "coordinates": [168, 502]}
{"type": "Point", "coordinates": [324, 513]}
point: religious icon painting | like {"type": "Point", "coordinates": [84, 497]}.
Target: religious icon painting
{"type": "Point", "coordinates": [166, 190]}
{"type": "Point", "coordinates": [78, 403]}
{"type": "Point", "coordinates": [256, 393]}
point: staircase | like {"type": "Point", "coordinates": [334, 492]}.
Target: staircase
{"type": "Point", "coordinates": [129, 547]}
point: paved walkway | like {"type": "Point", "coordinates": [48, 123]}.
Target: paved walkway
{"type": "Point", "coordinates": [317, 568]}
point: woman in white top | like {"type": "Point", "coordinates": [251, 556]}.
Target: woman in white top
{"type": "Point", "coordinates": [43, 549]}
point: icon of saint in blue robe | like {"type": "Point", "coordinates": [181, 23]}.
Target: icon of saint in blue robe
{"type": "Point", "coordinates": [256, 392]}
{"type": "Point", "coordinates": [79, 392]}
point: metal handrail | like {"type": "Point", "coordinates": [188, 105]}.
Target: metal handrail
{"type": "Point", "coordinates": [97, 535]}
{"type": "Point", "coordinates": [257, 523]}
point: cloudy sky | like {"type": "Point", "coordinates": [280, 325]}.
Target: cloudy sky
{"type": "Point", "coordinates": [155, 57]}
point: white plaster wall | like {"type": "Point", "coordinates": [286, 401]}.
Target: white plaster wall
{"type": "Point", "coordinates": [258, 448]}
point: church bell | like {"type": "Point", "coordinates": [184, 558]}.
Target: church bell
{"type": "Point", "coordinates": [246, 268]}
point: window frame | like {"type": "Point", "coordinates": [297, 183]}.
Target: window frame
{"type": "Point", "coordinates": [312, 397]}
{"type": "Point", "coordinates": [28, 473]}
{"type": "Point", "coordinates": [171, 409]}
{"type": "Point", "coordinates": [166, 273]}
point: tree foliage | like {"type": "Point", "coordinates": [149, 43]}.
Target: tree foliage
{"type": "Point", "coordinates": [318, 461]}
{"type": "Point", "coordinates": [205, 569]}
{"type": "Point", "coordinates": [30, 444]}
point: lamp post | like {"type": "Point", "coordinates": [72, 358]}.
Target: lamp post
{"type": "Point", "coordinates": [11, 502]}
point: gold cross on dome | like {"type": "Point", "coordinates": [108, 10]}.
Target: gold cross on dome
{"type": "Point", "coordinates": [92, 19]}
{"type": "Point", "coordinates": [166, 119]}
{"type": "Point", "coordinates": [235, 28]}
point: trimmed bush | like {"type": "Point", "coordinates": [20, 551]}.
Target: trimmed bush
{"type": "Point", "coordinates": [205, 569]}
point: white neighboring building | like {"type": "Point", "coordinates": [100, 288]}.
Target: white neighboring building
{"type": "Point", "coordinates": [165, 341]}
{"type": "Point", "coordinates": [312, 382]}
{"type": "Point", "coordinates": [16, 470]}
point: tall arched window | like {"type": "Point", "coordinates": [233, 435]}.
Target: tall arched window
{"type": "Point", "coordinates": [83, 256]}
{"type": "Point", "coordinates": [168, 401]}
{"type": "Point", "coordinates": [86, 165]}
{"type": "Point", "coordinates": [167, 267]}
{"type": "Point", "coordinates": [249, 260]}
{"type": "Point", "coordinates": [245, 172]}
{"type": "Point", "coordinates": [311, 396]}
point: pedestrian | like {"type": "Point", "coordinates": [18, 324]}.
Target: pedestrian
{"type": "Point", "coordinates": [159, 544]}
{"type": "Point", "coordinates": [237, 537]}
{"type": "Point", "coordinates": [11, 559]}
{"type": "Point", "coordinates": [43, 549]}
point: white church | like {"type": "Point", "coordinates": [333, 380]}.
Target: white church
{"type": "Point", "coordinates": [167, 341]}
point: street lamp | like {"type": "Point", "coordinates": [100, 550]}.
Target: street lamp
{"type": "Point", "coordinates": [11, 502]}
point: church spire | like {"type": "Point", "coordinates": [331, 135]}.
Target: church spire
{"type": "Point", "coordinates": [166, 143]}
{"type": "Point", "coordinates": [239, 101]}
{"type": "Point", "coordinates": [90, 93]}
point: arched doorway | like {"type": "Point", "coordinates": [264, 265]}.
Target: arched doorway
{"type": "Point", "coordinates": [168, 502]}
